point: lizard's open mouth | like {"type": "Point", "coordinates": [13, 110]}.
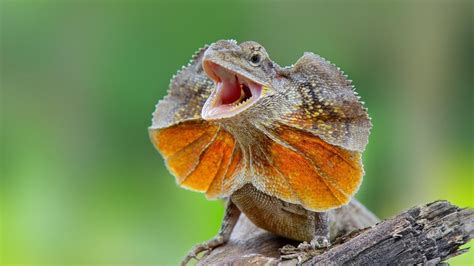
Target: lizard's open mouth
{"type": "Point", "coordinates": [234, 92]}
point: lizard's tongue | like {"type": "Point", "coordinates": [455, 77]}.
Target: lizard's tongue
{"type": "Point", "coordinates": [230, 90]}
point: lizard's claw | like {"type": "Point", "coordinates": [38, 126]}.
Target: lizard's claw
{"type": "Point", "coordinates": [301, 253]}
{"type": "Point", "coordinates": [195, 251]}
{"type": "Point", "coordinates": [305, 250]}
{"type": "Point", "coordinates": [205, 247]}
{"type": "Point", "coordinates": [319, 242]}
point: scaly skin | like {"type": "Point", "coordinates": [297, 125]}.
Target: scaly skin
{"type": "Point", "coordinates": [286, 157]}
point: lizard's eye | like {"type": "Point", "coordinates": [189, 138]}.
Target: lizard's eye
{"type": "Point", "coordinates": [255, 59]}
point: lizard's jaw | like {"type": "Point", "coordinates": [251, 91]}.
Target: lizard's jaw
{"type": "Point", "coordinates": [233, 94]}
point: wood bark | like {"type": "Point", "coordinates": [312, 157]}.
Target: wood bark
{"type": "Point", "coordinates": [430, 233]}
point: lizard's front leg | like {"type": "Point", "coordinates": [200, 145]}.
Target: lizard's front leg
{"type": "Point", "coordinates": [320, 240]}
{"type": "Point", "coordinates": [321, 231]}
{"type": "Point", "coordinates": [231, 216]}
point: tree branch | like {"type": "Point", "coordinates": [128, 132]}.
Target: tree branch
{"type": "Point", "coordinates": [429, 233]}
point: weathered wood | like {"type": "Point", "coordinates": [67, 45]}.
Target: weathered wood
{"type": "Point", "coordinates": [429, 233]}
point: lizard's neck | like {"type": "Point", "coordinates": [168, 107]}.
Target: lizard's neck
{"type": "Point", "coordinates": [253, 143]}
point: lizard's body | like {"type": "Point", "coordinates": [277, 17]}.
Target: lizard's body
{"type": "Point", "coordinates": [282, 144]}
{"type": "Point", "coordinates": [295, 222]}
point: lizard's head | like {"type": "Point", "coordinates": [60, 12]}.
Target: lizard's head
{"type": "Point", "coordinates": [242, 76]}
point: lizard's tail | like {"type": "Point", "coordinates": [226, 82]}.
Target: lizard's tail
{"type": "Point", "coordinates": [351, 217]}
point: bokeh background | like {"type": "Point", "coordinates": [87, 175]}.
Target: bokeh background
{"type": "Point", "coordinates": [80, 182]}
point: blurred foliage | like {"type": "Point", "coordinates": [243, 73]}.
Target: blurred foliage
{"type": "Point", "coordinates": [80, 182]}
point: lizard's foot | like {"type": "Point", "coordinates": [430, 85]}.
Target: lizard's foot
{"type": "Point", "coordinates": [205, 247]}
{"type": "Point", "coordinates": [305, 250]}
{"type": "Point", "coordinates": [319, 242]}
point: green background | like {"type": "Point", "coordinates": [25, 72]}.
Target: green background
{"type": "Point", "coordinates": [80, 182]}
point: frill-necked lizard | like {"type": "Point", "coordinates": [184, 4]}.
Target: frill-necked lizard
{"type": "Point", "coordinates": [281, 144]}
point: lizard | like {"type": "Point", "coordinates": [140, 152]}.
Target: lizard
{"type": "Point", "coordinates": [281, 145]}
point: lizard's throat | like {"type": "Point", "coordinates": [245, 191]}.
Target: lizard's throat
{"type": "Point", "coordinates": [233, 93]}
